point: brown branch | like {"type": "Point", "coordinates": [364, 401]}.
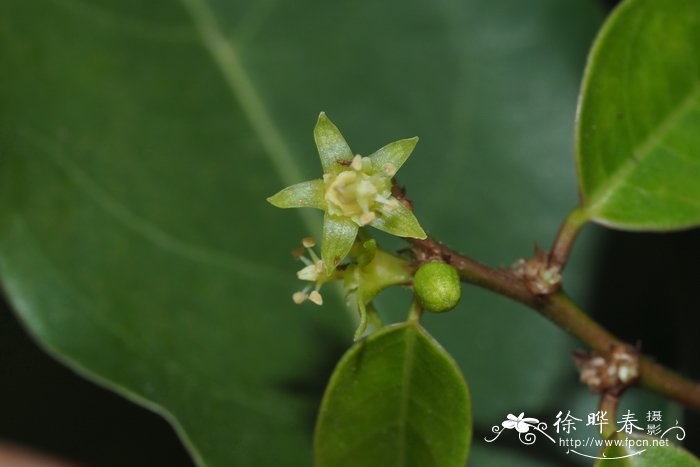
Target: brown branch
{"type": "Point", "coordinates": [559, 308]}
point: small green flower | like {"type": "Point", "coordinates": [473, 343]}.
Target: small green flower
{"type": "Point", "coordinates": [355, 191]}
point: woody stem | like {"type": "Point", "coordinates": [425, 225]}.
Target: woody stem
{"type": "Point", "coordinates": [561, 310]}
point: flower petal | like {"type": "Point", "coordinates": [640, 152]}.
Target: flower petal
{"type": "Point", "coordinates": [338, 236]}
{"type": "Point", "coordinates": [331, 145]}
{"type": "Point", "coordinates": [391, 157]}
{"type": "Point", "coordinates": [307, 194]}
{"type": "Point", "coordinates": [399, 221]}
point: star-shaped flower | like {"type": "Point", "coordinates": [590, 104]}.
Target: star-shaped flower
{"type": "Point", "coordinates": [355, 191]}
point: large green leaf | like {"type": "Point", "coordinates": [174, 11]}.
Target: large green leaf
{"type": "Point", "coordinates": [139, 140]}
{"type": "Point", "coordinates": [638, 141]}
{"type": "Point", "coordinates": [395, 399]}
{"type": "Point", "coordinates": [655, 453]}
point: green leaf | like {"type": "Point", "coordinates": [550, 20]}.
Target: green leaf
{"type": "Point", "coordinates": [396, 398]}
{"type": "Point", "coordinates": [638, 144]}
{"type": "Point", "coordinates": [139, 140]}
{"type": "Point", "coordinates": [664, 455]}
{"type": "Point", "coordinates": [307, 194]}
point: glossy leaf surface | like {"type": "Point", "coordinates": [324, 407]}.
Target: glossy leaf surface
{"type": "Point", "coordinates": [395, 399]}
{"type": "Point", "coordinates": [638, 141]}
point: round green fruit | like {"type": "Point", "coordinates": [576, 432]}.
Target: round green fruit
{"type": "Point", "coordinates": [437, 287]}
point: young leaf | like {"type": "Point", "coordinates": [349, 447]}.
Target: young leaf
{"type": "Point", "coordinates": [638, 144]}
{"type": "Point", "coordinates": [396, 398]}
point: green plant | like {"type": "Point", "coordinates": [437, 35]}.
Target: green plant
{"type": "Point", "coordinates": [136, 244]}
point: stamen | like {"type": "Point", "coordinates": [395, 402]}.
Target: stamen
{"type": "Point", "coordinates": [392, 205]}
{"type": "Point", "coordinates": [314, 256]}
{"type": "Point", "coordinates": [390, 169]}
{"type": "Point", "coordinates": [357, 163]}
{"type": "Point", "coordinates": [316, 298]}
{"type": "Point", "coordinates": [309, 273]}
{"type": "Point", "coordinates": [299, 297]}
{"type": "Point", "coordinates": [367, 217]}
{"type": "Point", "coordinates": [308, 242]}
{"type": "Point", "coordinates": [319, 266]}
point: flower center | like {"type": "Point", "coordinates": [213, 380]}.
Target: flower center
{"type": "Point", "coordinates": [357, 194]}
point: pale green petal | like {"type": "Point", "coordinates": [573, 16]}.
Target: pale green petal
{"type": "Point", "coordinates": [338, 235]}
{"type": "Point", "coordinates": [307, 194]}
{"type": "Point", "coordinates": [400, 222]}
{"type": "Point", "coordinates": [393, 154]}
{"type": "Point", "coordinates": [331, 145]}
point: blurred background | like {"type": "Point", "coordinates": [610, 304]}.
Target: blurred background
{"type": "Point", "coordinates": [48, 408]}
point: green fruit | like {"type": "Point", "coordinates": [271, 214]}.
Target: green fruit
{"type": "Point", "coordinates": [437, 287]}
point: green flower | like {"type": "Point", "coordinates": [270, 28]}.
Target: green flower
{"type": "Point", "coordinates": [355, 191]}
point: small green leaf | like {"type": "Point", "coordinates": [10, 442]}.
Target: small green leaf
{"type": "Point", "coordinates": [393, 154]}
{"type": "Point", "coordinates": [399, 221]}
{"type": "Point", "coordinates": [331, 145]}
{"type": "Point", "coordinates": [395, 399]}
{"type": "Point", "coordinates": [638, 144]}
{"type": "Point", "coordinates": [653, 456]}
{"type": "Point", "coordinates": [307, 194]}
{"type": "Point", "coordinates": [338, 236]}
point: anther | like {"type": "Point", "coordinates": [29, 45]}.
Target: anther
{"type": "Point", "coordinates": [316, 298]}
{"type": "Point", "coordinates": [367, 217]}
{"type": "Point", "coordinates": [357, 162]}
{"type": "Point", "coordinates": [299, 297]}
{"type": "Point", "coordinates": [390, 169]}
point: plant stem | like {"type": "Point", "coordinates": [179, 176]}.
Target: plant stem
{"type": "Point", "coordinates": [559, 308]}
{"type": "Point", "coordinates": [564, 241]}
{"type": "Point", "coordinates": [608, 405]}
{"type": "Point", "coordinates": [661, 380]}
{"type": "Point", "coordinates": [414, 312]}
